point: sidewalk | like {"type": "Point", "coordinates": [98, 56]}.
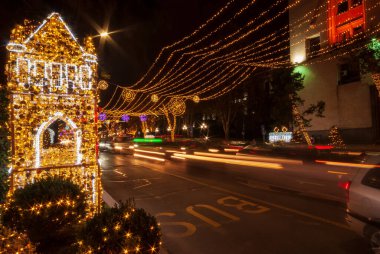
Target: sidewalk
{"type": "Point", "coordinates": [374, 148]}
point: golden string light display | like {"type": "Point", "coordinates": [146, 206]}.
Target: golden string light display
{"type": "Point", "coordinates": [231, 36]}
{"type": "Point", "coordinates": [220, 12]}
{"type": "Point", "coordinates": [128, 94]}
{"type": "Point", "coordinates": [102, 85]}
{"type": "Point", "coordinates": [59, 95]}
{"type": "Point", "coordinates": [221, 44]}
{"type": "Point", "coordinates": [201, 71]}
{"type": "Point", "coordinates": [154, 97]}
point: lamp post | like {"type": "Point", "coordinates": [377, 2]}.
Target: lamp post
{"type": "Point", "coordinates": [204, 127]}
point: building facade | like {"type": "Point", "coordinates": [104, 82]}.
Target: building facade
{"type": "Point", "coordinates": [321, 34]}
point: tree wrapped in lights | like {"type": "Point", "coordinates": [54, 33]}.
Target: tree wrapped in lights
{"type": "Point", "coordinates": [121, 229]}
{"type": "Point", "coordinates": [48, 211]}
{"type": "Point", "coordinates": [335, 138]}
{"type": "Point", "coordinates": [297, 136]}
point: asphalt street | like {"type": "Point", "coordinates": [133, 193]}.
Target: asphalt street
{"type": "Point", "coordinates": [207, 207]}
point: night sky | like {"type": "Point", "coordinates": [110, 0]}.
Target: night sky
{"type": "Point", "coordinates": [145, 26]}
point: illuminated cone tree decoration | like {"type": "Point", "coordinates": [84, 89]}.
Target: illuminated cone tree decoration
{"type": "Point", "coordinates": [335, 138]}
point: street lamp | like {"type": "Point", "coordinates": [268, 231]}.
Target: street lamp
{"type": "Point", "coordinates": [104, 34]}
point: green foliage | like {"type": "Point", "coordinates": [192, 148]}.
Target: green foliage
{"type": "Point", "coordinates": [285, 86]}
{"type": "Point", "coordinates": [313, 109]}
{"type": "Point", "coordinates": [4, 143]}
{"type": "Point", "coordinates": [121, 228]}
{"type": "Point", "coordinates": [48, 210]}
{"type": "Point", "coordinates": [374, 46]}
{"type": "Point", "coordinates": [369, 57]}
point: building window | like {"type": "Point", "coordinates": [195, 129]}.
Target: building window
{"type": "Point", "coordinates": [343, 37]}
{"type": "Point", "coordinates": [313, 45]}
{"type": "Point", "coordinates": [346, 19]}
{"type": "Point", "coordinates": [349, 72]}
{"type": "Point", "coordinates": [372, 178]}
{"type": "Point", "coordinates": [342, 7]}
{"type": "Point", "coordinates": [356, 3]}
{"type": "Point", "coordinates": [358, 30]}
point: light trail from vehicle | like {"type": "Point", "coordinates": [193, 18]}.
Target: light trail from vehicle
{"type": "Point", "coordinates": [147, 151]}
{"type": "Point", "coordinates": [232, 161]}
{"type": "Point", "coordinates": [250, 158]}
{"type": "Point", "coordinates": [347, 164]}
{"type": "Point", "coordinates": [148, 157]}
{"type": "Point", "coordinates": [175, 151]}
{"type": "Point", "coordinates": [337, 172]}
{"type": "Point", "coordinates": [235, 150]}
{"type": "Point", "coordinates": [176, 157]}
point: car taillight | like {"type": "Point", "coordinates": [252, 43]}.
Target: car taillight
{"type": "Point", "coordinates": [346, 186]}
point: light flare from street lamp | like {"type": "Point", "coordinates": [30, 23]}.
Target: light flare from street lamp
{"type": "Point", "coordinates": [104, 34]}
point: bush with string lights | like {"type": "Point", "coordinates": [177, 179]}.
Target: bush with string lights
{"type": "Point", "coordinates": [121, 229]}
{"type": "Point", "coordinates": [4, 143]}
{"type": "Point", "coordinates": [48, 210]}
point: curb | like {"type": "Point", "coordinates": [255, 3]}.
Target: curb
{"type": "Point", "coordinates": [108, 199]}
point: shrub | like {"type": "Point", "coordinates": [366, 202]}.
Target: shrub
{"type": "Point", "coordinates": [14, 242]}
{"type": "Point", "coordinates": [4, 143]}
{"type": "Point", "coordinates": [47, 210]}
{"type": "Point", "coordinates": [121, 228]}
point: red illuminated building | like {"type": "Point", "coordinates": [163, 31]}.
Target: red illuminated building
{"type": "Point", "coordinates": [346, 18]}
{"type": "Point", "coordinates": [320, 30]}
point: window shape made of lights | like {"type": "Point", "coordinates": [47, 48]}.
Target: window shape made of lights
{"type": "Point", "coordinates": [346, 19]}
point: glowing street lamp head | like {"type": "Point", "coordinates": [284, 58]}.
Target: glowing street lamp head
{"type": "Point", "coordinates": [104, 34]}
{"type": "Point", "coordinates": [298, 59]}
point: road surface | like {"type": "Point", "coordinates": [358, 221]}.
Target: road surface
{"type": "Point", "coordinates": [210, 207]}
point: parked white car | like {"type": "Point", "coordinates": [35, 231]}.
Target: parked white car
{"type": "Point", "coordinates": [363, 205]}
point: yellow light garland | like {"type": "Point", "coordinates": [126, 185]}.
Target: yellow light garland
{"type": "Point", "coordinates": [52, 79]}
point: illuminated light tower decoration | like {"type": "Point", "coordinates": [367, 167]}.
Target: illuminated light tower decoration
{"type": "Point", "coordinates": [52, 78]}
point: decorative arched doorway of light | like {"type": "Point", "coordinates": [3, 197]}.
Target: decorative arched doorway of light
{"type": "Point", "coordinates": [45, 125]}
